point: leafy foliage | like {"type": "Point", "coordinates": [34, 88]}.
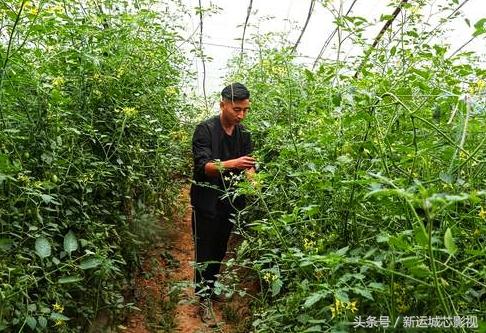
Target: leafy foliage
{"type": "Point", "coordinates": [89, 95]}
{"type": "Point", "coordinates": [371, 194]}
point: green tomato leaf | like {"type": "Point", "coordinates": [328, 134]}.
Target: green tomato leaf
{"type": "Point", "coordinates": [42, 247]}
{"type": "Point", "coordinates": [31, 322]}
{"type": "Point", "coordinates": [363, 292]}
{"type": "Point", "coordinates": [70, 242]}
{"type": "Point", "coordinates": [480, 27]}
{"type": "Point", "coordinates": [449, 243]}
{"type": "Point", "coordinates": [315, 328]}
{"type": "Point", "coordinates": [5, 244]}
{"type": "Point", "coordinates": [70, 279]}
{"type": "Point", "coordinates": [89, 263]}
{"type": "Point", "coordinates": [314, 298]}
{"type": "Point", "coordinates": [47, 198]}
{"type": "Point", "coordinates": [341, 295]}
{"type": "Point", "coordinates": [58, 316]}
{"type": "Point", "coordinates": [276, 287]}
{"type": "Point", "coordinates": [420, 271]}
{"type": "Point", "coordinates": [42, 322]}
{"type": "Point", "coordinates": [421, 236]}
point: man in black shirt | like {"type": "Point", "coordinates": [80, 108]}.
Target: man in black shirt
{"type": "Point", "coordinates": [220, 146]}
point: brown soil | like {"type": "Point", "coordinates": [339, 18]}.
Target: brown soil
{"type": "Point", "coordinates": [164, 293]}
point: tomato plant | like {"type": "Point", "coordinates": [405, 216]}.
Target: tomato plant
{"type": "Point", "coordinates": [88, 100]}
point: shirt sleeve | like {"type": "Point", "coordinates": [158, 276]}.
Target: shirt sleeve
{"type": "Point", "coordinates": [201, 150]}
{"type": "Point", "coordinates": [247, 143]}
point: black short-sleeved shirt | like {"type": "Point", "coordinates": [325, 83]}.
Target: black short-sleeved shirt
{"type": "Point", "coordinates": [210, 143]}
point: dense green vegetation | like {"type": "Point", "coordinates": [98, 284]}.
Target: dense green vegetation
{"type": "Point", "coordinates": [89, 97]}
{"type": "Point", "coordinates": [371, 194]}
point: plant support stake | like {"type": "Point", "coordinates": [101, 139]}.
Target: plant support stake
{"type": "Point", "coordinates": [202, 55]}
{"type": "Point", "coordinates": [309, 14]}
{"type": "Point", "coordinates": [248, 12]}
{"type": "Point", "coordinates": [379, 36]}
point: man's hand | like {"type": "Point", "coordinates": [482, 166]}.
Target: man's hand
{"type": "Point", "coordinates": [243, 162]}
{"type": "Point", "coordinates": [212, 169]}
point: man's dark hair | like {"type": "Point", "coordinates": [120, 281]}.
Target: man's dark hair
{"type": "Point", "coordinates": [235, 92]}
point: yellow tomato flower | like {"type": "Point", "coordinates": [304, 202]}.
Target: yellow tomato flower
{"type": "Point", "coordinates": [58, 307]}
{"type": "Point", "coordinates": [333, 312]}
{"type": "Point", "coordinates": [482, 213]}
{"type": "Point", "coordinates": [336, 308]}
{"type": "Point", "coordinates": [171, 91]}
{"type": "Point", "coordinates": [269, 277]}
{"type": "Point", "coordinates": [23, 178]}
{"type": "Point", "coordinates": [415, 9]}
{"type": "Point", "coordinates": [129, 111]}
{"type": "Point", "coordinates": [339, 307]}
{"type": "Point", "coordinates": [59, 322]}
{"type": "Point", "coordinates": [309, 244]}
{"type": "Point", "coordinates": [58, 81]}
{"type": "Point", "coordinates": [480, 84]}
{"type": "Point", "coordinates": [120, 71]}
{"type": "Point", "coordinates": [352, 306]}
{"type": "Point", "coordinates": [476, 87]}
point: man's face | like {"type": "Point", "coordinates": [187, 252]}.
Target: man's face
{"type": "Point", "coordinates": [234, 111]}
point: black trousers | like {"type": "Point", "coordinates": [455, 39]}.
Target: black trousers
{"type": "Point", "coordinates": [211, 231]}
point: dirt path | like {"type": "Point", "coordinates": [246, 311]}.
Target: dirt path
{"type": "Point", "coordinates": [164, 289]}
